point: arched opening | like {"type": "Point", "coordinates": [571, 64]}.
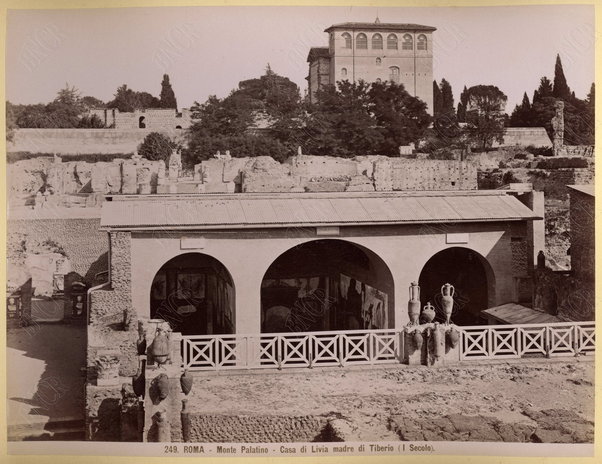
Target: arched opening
{"type": "Point", "coordinates": [394, 74]}
{"type": "Point", "coordinates": [473, 280]}
{"type": "Point", "coordinates": [408, 42]}
{"type": "Point", "coordinates": [361, 41]}
{"type": "Point", "coordinates": [327, 284]}
{"type": "Point", "coordinates": [347, 38]}
{"type": "Point", "coordinates": [141, 123]}
{"type": "Point", "coordinates": [178, 127]}
{"type": "Point", "coordinates": [194, 292]}
{"type": "Point", "coordinates": [377, 42]}
{"type": "Point", "coordinates": [392, 42]}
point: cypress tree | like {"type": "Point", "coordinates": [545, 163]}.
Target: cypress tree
{"type": "Point", "coordinates": [447, 97]}
{"type": "Point", "coordinates": [561, 88]}
{"type": "Point", "coordinates": [168, 98]}
{"type": "Point", "coordinates": [462, 105]}
{"type": "Point", "coordinates": [437, 101]}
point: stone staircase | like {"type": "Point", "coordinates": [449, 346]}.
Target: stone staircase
{"type": "Point", "coordinates": [63, 429]}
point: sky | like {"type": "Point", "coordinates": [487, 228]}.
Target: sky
{"type": "Point", "coordinates": [208, 50]}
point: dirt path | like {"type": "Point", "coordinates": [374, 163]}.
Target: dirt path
{"type": "Point", "coordinates": [505, 401]}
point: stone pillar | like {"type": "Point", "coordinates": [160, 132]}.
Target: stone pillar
{"type": "Point", "coordinates": [414, 341]}
{"type": "Point", "coordinates": [558, 127]}
{"type": "Point", "coordinates": [434, 345]}
{"type": "Point", "coordinates": [162, 404]}
{"type": "Point", "coordinates": [175, 165]}
{"type": "Point", "coordinates": [130, 406]}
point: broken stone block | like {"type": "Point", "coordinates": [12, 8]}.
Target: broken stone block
{"type": "Point", "coordinates": [232, 169]}
{"type": "Point", "coordinates": [113, 176]}
{"type": "Point", "coordinates": [383, 181]}
{"type": "Point", "coordinates": [143, 179]}
{"type": "Point", "coordinates": [326, 186]}
{"type": "Point", "coordinates": [54, 178]}
{"type": "Point", "coordinates": [69, 179]}
{"type": "Point", "coordinates": [83, 173]}
{"type": "Point", "coordinates": [212, 170]}
{"type": "Point", "coordinates": [99, 178]}
{"type": "Point", "coordinates": [129, 178]}
{"type": "Point", "coordinates": [317, 166]}
{"type": "Point", "coordinates": [264, 182]}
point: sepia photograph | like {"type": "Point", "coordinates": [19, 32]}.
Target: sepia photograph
{"type": "Point", "coordinates": [284, 231]}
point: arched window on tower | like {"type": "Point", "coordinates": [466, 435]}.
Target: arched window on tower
{"type": "Point", "coordinates": [378, 61]}
{"type": "Point", "coordinates": [343, 72]}
{"type": "Point", "coordinates": [377, 42]}
{"type": "Point", "coordinates": [347, 38]}
{"type": "Point", "coordinates": [408, 42]}
{"type": "Point", "coordinates": [394, 74]}
{"type": "Point", "coordinates": [361, 41]}
{"type": "Point", "coordinates": [421, 43]}
{"type": "Point", "coordinates": [392, 42]}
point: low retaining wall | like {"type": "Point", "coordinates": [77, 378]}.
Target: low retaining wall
{"type": "Point", "coordinates": [81, 141]}
{"type": "Point", "coordinates": [213, 428]}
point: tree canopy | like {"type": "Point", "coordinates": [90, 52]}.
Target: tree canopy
{"type": "Point", "coordinates": [485, 115]}
{"type": "Point", "coordinates": [578, 114]}
{"type": "Point", "coordinates": [127, 100]}
{"type": "Point", "coordinates": [260, 117]}
{"type": "Point", "coordinates": [368, 119]}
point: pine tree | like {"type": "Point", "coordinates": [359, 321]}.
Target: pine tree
{"type": "Point", "coordinates": [167, 96]}
{"type": "Point", "coordinates": [521, 116]}
{"type": "Point", "coordinates": [437, 100]}
{"type": "Point", "coordinates": [561, 88]}
{"type": "Point", "coordinates": [544, 90]}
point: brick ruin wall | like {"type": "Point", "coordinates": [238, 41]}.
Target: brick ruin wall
{"type": "Point", "coordinates": [582, 233]}
{"type": "Point", "coordinates": [111, 306]}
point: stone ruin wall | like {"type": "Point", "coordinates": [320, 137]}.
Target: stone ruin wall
{"type": "Point", "coordinates": [301, 173]}
{"type": "Point", "coordinates": [305, 173]}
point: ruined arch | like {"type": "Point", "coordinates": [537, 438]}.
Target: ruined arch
{"type": "Point", "coordinates": [471, 275]}
{"type": "Point", "coordinates": [327, 284]}
{"type": "Point", "coordinates": [195, 293]}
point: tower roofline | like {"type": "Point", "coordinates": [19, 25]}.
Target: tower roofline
{"type": "Point", "coordinates": [382, 26]}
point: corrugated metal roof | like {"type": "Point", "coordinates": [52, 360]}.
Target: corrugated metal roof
{"type": "Point", "coordinates": [587, 189]}
{"type": "Point", "coordinates": [513, 313]}
{"type": "Point", "coordinates": [234, 211]}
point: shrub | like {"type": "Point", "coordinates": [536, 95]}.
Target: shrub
{"type": "Point", "coordinates": [562, 163]}
{"type": "Point", "coordinates": [156, 146]}
{"type": "Point", "coordinates": [203, 148]}
{"type": "Point", "coordinates": [540, 151]}
{"type": "Point", "coordinates": [442, 154]}
{"type": "Point", "coordinates": [509, 178]}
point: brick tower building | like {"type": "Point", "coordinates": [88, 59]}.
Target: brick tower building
{"type": "Point", "coordinates": [373, 52]}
